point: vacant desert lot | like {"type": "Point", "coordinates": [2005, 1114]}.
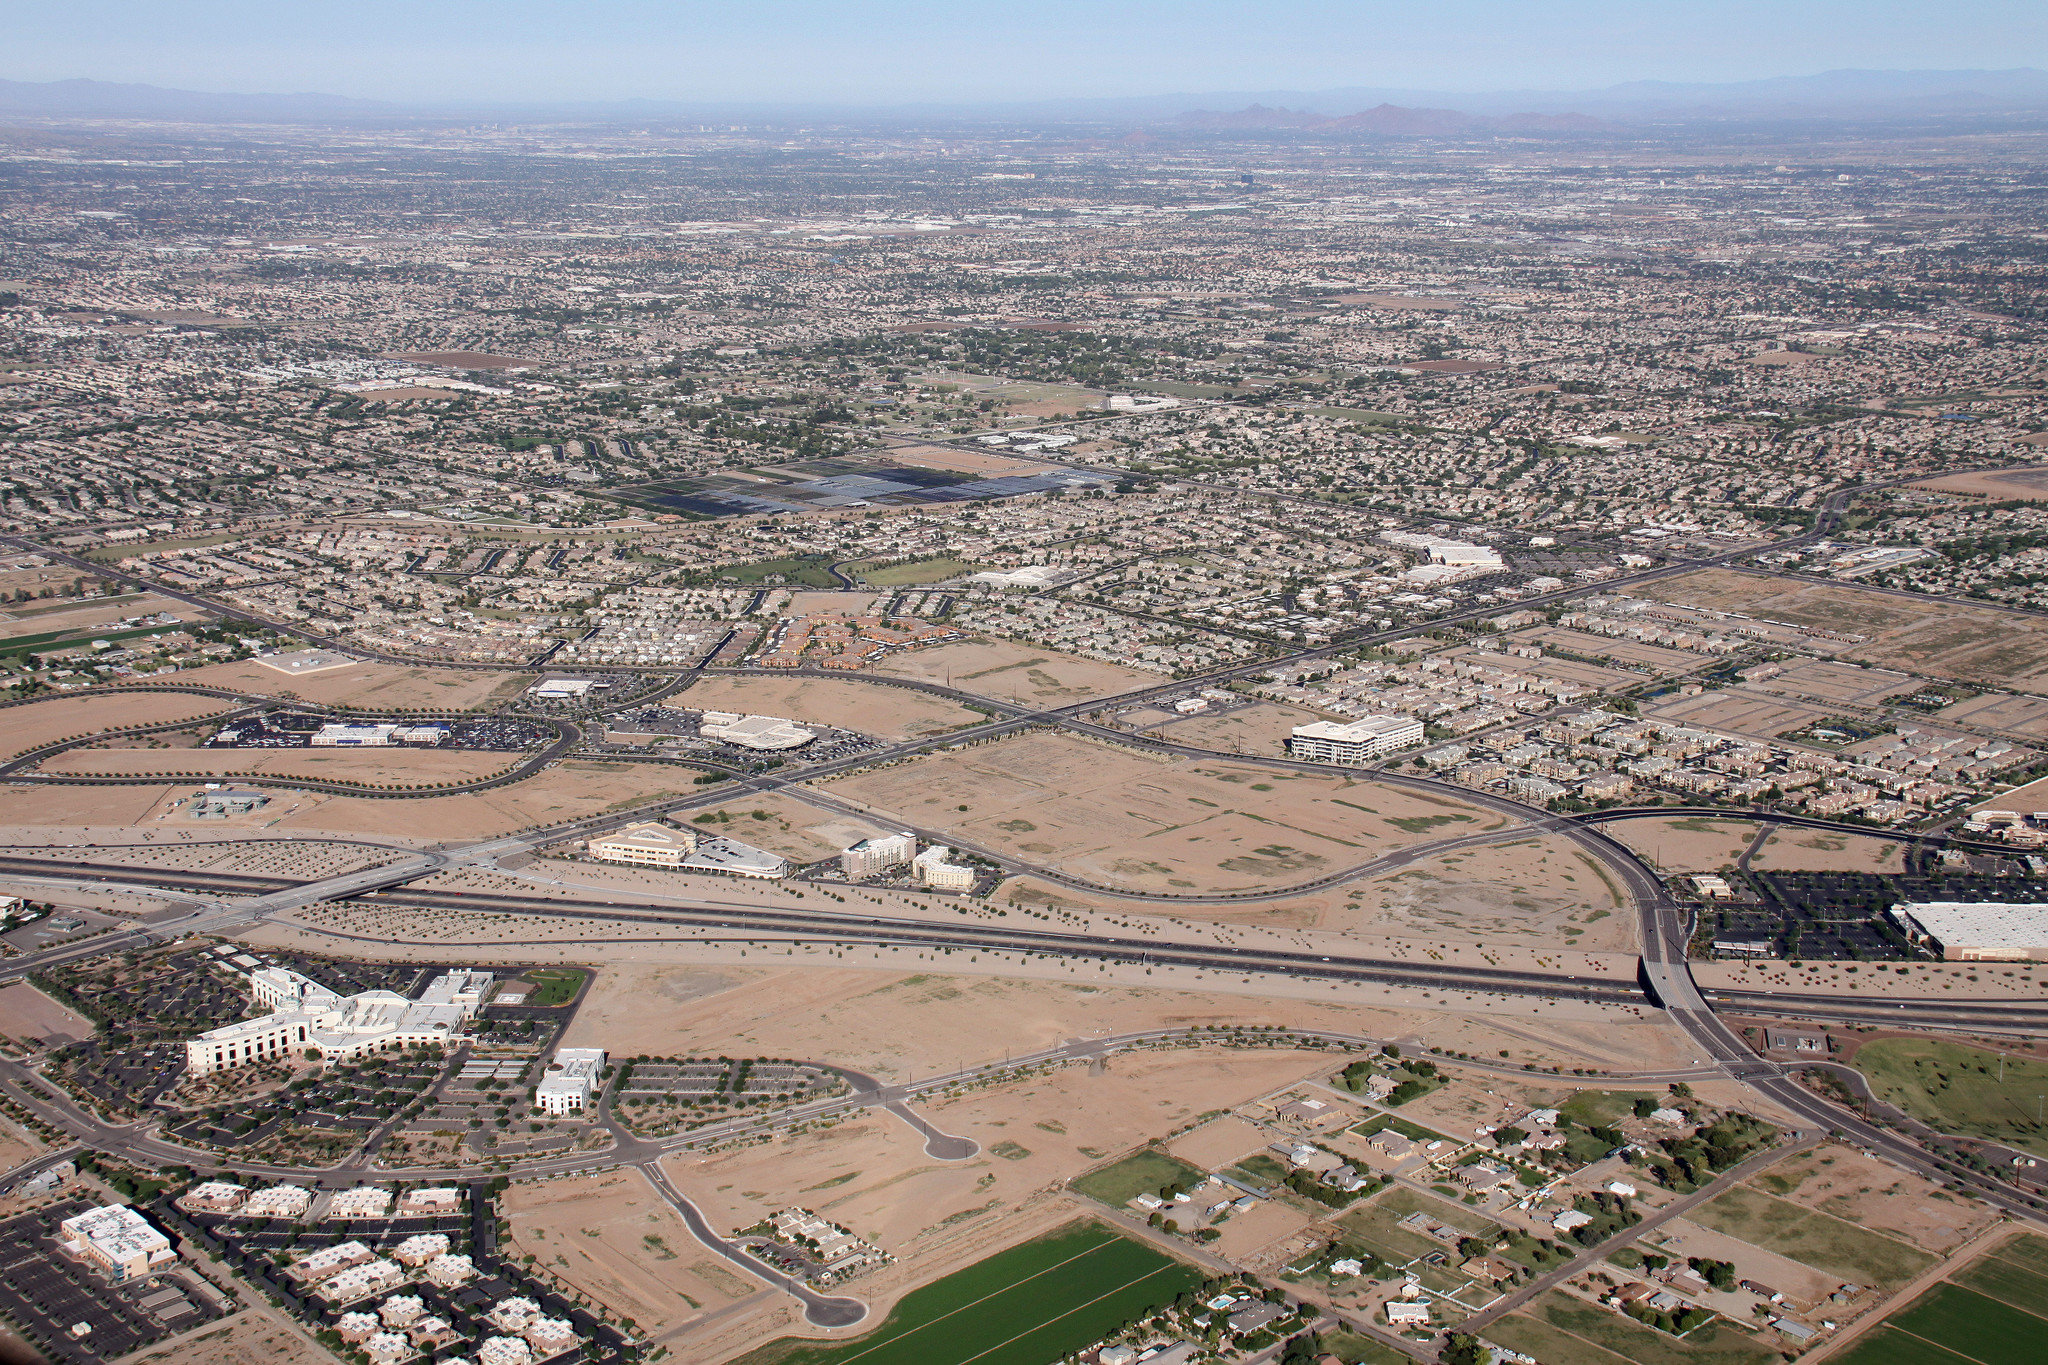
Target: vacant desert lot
{"type": "Point", "coordinates": [1739, 710]}
{"type": "Point", "coordinates": [617, 1240]}
{"type": "Point", "coordinates": [370, 686]}
{"type": "Point", "coordinates": [891, 712]}
{"type": "Point", "coordinates": [569, 791]}
{"type": "Point", "coordinates": [26, 1012]}
{"type": "Point", "coordinates": [1814, 850]}
{"type": "Point", "coordinates": [1261, 729]}
{"type": "Point", "coordinates": [1129, 821]}
{"type": "Point", "coordinates": [1537, 892]}
{"type": "Point", "coordinates": [2024, 717]}
{"type": "Point", "coordinates": [894, 1025]}
{"type": "Point", "coordinates": [376, 767]}
{"type": "Point", "coordinates": [1934, 637]}
{"type": "Point", "coordinates": [871, 1173]}
{"type": "Point", "coordinates": [998, 668]}
{"type": "Point", "coordinates": [1845, 1183]}
{"type": "Point", "coordinates": [45, 722]}
{"type": "Point", "coordinates": [93, 615]}
{"type": "Point", "coordinates": [1690, 844]}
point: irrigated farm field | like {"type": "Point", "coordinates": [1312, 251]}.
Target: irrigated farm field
{"type": "Point", "coordinates": [1030, 1304]}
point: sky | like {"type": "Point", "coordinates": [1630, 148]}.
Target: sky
{"type": "Point", "coordinates": [862, 52]}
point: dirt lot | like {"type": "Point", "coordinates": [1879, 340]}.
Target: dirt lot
{"type": "Point", "coordinates": [44, 722]}
{"type": "Point", "coordinates": [891, 712]}
{"type": "Point", "coordinates": [872, 1175]}
{"type": "Point", "coordinates": [26, 1012]}
{"type": "Point", "coordinates": [573, 789]}
{"type": "Point", "coordinates": [1802, 1284]}
{"type": "Point", "coordinates": [1218, 1144]}
{"type": "Point", "coordinates": [87, 616]}
{"type": "Point", "coordinates": [1655, 658]}
{"type": "Point", "coordinates": [1261, 729]}
{"type": "Point", "coordinates": [2004, 485]}
{"type": "Point", "coordinates": [2025, 717]}
{"type": "Point", "coordinates": [1123, 819]}
{"type": "Point", "coordinates": [1537, 891]}
{"type": "Point", "coordinates": [1565, 670]}
{"type": "Point", "coordinates": [369, 685]}
{"type": "Point", "coordinates": [1940, 638]}
{"type": "Point", "coordinates": [1738, 711]}
{"type": "Point", "coordinates": [999, 668]}
{"type": "Point", "coordinates": [1865, 1191]}
{"type": "Point", "coordinates": [945, 457]}
{"type": "Point", "coordinates": [1693, 844]}
{"type": "Point", "coordinates": [1825, 851]}
{"type": "Point", "coordinates": [1841, 684]}
{"type": "Point", "coordinates": [376, 767]}
{"type": "Point", "coordinates": [615, 1239]}
{"type": "Point", "coordinates": [251, 1337]}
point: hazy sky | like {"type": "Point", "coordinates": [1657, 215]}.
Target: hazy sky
{"type": "Point", "coordinates": [860, 51]}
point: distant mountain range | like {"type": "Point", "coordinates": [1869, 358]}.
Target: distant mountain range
{"type": "Point", "coordinates": [1848, 94]}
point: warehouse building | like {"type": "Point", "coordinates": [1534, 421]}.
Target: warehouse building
{"type": "Point", "coordinates": [1989, 931]}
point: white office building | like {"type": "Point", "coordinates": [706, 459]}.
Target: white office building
{"type": "Point", "coordinates": [754, 732]}
{"type": "Point", "coordinates": [306, 1015]}
{"type": "Point", "coordinates": [872, 857]}
{"type": "Point", "coordinates": [118, 1240]}
{"type": "Point", "coordinates": [570, 1079]}
{"type": "Point", "coordinates": [650, 844]}
{"type": "Point", "coordinates": [1355, 742]}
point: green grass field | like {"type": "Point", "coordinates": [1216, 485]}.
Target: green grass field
{"type": "Point", "coordinates": [1143, 1172]}
{"type": "Point", "coordinates": [555, 985]}
{"type": "Point", "coordinates": [1025, 1306]}
{"type": "Point", "coordinates": [1531, 1336]}
{"type": "Point", "coordinates": [806, 572]}
{"type": "Point", "coordinates": [1713, 1344]}
{"type": "Point", "coordinates": [2016, 1274]}
{"type": "Point", "coordinates": [908, 575]}
{"type": "Point", "coordinates": [1958, 1089]}
{"type": "Point", "coordinates": [1964, 1321]}
{"type": "Point", "coordinates": [1889, 1346]}
{"type": "Point", "coordinates": [1604, 1106]}
{"type": "Point", "coordinates": [1829, 1244]}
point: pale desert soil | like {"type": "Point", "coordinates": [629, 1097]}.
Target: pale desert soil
{"type": "Point", "coordinates": [890, 712]}
{"type": "Point", "coordinates": [1812, 850]}
{"type": "Point", "coordinates": [1935, 637]}
{"type": "Point", "coordinates": [82, 618]}
{"type": "Point", "coordinates": [1880, 980]}
{"type": "Point", "coordinates": [1134, 822]}
{"type": "Point", "coordinates": [571, 790]}
{"type": "Point", "coordinates": [1260, 730]}
{"type": "Point", "coordinates": [26, 1012]}
{"type": "Point", "coordinates": [1000, 668]}
{"type": "Point", "coordinates": [1689, 844]}
{"type": "Point", "coordinates": [872, 1175]}
{"type": "Point", "coordinates": [1800, 1283]}
{"type": "Point", "coordinates": [251, 1337]}
{"type": "Point", "coordinates": [1862, 1190]}
{"type": "Point", "coordinates": [593, 1232]}
{"type": "Point", "coordinates": [1536, 892]}
{"type": "Point", "coordinates": [45, 722]}
{"type": "Point", "coordinates": [368, 685]}
{"type": "Point", "coordinates": [376, 767]}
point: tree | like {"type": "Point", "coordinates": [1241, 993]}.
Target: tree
{"type": "Point", "coordinates": [1461, 1349]}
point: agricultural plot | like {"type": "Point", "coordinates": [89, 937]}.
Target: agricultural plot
{"type": "Point", "coordinates": [1852, 1253]}
{"type": "Point", "coordinates": [1025, 1306]}
{"type": "Point", "coordinates": [1951, 1322]}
